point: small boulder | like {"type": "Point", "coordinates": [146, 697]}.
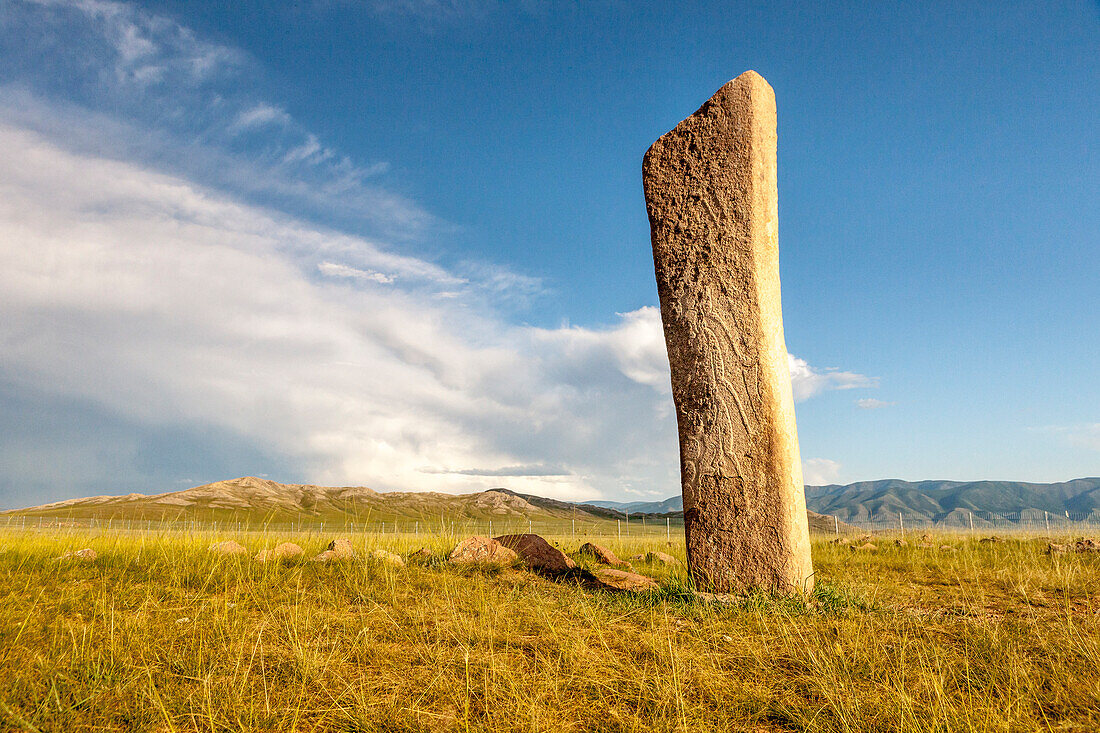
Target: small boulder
{"type": "Point", "coordinates": [640, 557]}
{"type": "Point", "coordinates": [481, 550]}
{"type": "Point", "coordinates": [865, 547]}
{"type": "Point", "coordinates": [661, 558]}
{"type": "Point", "coordinates": [948, 548]}
{"type": "Point", "coordinates": [620, 580]}
{"type": "Point", "coordinates": [284, 551]}
{"type": "Point", "coordinates": [325, 556]}
{"type": "Point", "coordinates": [901, 543]}
{"type": "Point", "coordinates": [987, 540]}
{"type": "Point", "coordinates": [600, 554]}
{"type": "Point", "coordinates": [87, 555]}
{"type": "Point", "coordinates": [342, 549]}
{"type": "Point", "coordinates": [926, 537]}
{"type": "Point", "coordinates": [229, 547]}
{"type": "Point", "coordinates": [421, 555]}
{"type": "Point", "coordinates": [1054, 548]}
{"type": "Point", "coordinates": [1087, 545]}
{"type": "Point", "coordinates": [386, 558]}
{"type": "Point", "coordinates": [537, 553]}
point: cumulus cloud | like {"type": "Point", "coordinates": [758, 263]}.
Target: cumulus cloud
{"type": "Point", "coordinates": [167, 317]}
{"type": "Point", "coordinates": [870, 403]}
{"type": "Point", "coordinates": [820, 471]}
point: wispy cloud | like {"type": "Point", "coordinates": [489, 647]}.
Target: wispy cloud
{"type": "Point", "coordinates": [1083, 435]}
{"type": "Point", "coordinates": [870, 403]}
{"type": "Point", "coordinates": [139, 86]}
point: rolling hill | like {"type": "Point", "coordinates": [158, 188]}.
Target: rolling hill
{"type": "Point", "coordinates": [260, 500]}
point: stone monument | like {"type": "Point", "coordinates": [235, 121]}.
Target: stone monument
{"type": "Point", "coordinates": [710, 190]}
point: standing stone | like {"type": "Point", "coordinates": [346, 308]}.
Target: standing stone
{"type": "Point", "coordinates": [710, 189]}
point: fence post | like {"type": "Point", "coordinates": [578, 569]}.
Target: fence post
{"type": "Point", "coordinates": [619, 527]}
{"type": "Point", "coordinates": [836, 525]}
{"type": "Point", "coordinates": [1046, 518]}
{"type": "Point", "coordinates": [901, 522]}
{"type": "Point", "coordinates": [668, 529]}
{"type": "Point", "coordinates": [971, 521]}
{"type": "Point", "coordinates": [574, 529]}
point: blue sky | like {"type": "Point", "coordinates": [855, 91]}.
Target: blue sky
{"type": "Point", "coordinates": [403, 244]}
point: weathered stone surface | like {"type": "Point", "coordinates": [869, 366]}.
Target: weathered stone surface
{"type": "Point", "coordinates": [986, 540]}
{"type": "Point", "coordinates": [386, 558]}
{"type": "Point", "coordinates": [341, 548]}
{"type": "Point", "coordinates": [481, 549]}
{"type": "Point", "coordinates": [87, 555]}
{"type": "Point", "coordinates": [621, 580]}
{"type": "Point", "coordinates": [900, 543]}
{"type": "Point", "coordinates": [601, 554]}
{"type": "Point", "coordinates": [229, 547]}
{"type": "Point", "coordinates": [710, 189]}
{"type": "Point", "coordinates": [537, 553]}
{"type": "Point", "coordinates": [948, 548]}
{"type": "Point", "coordinates": [1054, 548]}
{"type": "Point", "coordinates": [325, 556]}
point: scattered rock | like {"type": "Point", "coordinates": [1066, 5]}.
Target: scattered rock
{"type": "Point", "coordinates": [661, 558]}
{"type": "Point", "coordinates": [386, 558]}
{"type": "Point", "coordinates": [481, 549]}
{"type": "Point", "coordinates": [994, 538]}
{"type": "Point", "coordinates": [1056, 549]}
{"type": "Point", "coordinates": [948, 548]}
{"type": "Point", "coordinates": [926, 537]}
{"type": "Point", "coordinates": [421, 555]}
{"type": "Point", "coordinates": [865, 547]}
{"type": "Point", "coordinates": [640, 557]}
{"type": "Point", "coordinates": [1087, 545]}
{"type": "Point", "coordinates": [901, 543]}
{"type": "Point", "coordinates": [342, 549]}
{"type": "Point", "coordinates": [229, 547]}
{"type": "Point", "coordinates": [87, 554]}
{"type": "Point", "coordinates": [611, 579]}
{"type": "Point", "coordinates": [600, 554]}
{"type": "Point", "coordinates": [284, 551]}
{"type": "Point", "coordinates": [325, 556]}
{"type": "Point", "coordinates": [537, 553]}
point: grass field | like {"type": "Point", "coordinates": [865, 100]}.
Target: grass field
{"type": "Point", "coordinates": [159, 634]}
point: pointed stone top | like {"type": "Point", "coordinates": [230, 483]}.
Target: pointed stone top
{"type": "Point", "coordinates": [748, 97]}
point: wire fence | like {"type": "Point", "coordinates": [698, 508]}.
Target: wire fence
{"type": "Point", "coordinates": [668, 528]}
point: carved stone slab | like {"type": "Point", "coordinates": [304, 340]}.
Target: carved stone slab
{"type": "Point", "coordinates": [710, 190]}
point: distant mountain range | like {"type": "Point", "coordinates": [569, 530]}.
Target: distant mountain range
{"type": "Point", "coordinates": [259, 500]}
{"type": "Point", "coordinates": [936, 502]}
{"type": "Point", "coordinates": [256, 499]}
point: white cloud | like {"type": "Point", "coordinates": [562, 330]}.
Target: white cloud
{"type": "Point", "coordinates": [820, 471]}
{"type": "Point", "coordinates": [870, 403]}
{"type": "Point", "coordinates": [808, 381]}
{"type": "Point", "coordinates": [260, 115]}
{"type": "Point", "coordinates": [333, 269]}
{"type": "Point", "coordinates": [168, 303]}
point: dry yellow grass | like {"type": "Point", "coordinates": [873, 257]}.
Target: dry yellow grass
{"type": "Point", "coordinates": [158, 634]}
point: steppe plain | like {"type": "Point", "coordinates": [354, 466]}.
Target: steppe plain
{"type": "Point", "coordinates": [158, 633]}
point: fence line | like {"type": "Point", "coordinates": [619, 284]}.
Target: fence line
{"type": "Point", "coordinates": [667, 527]}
